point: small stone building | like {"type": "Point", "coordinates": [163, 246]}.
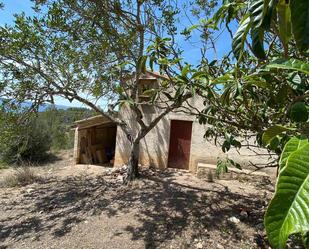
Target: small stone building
{"type": "Point", "coordinates": [176, 141]}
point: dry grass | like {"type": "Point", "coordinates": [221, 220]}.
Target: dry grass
{"type": "Point", "coordinates": [20, 177]}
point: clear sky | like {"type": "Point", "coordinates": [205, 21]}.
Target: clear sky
{"type": "Point", "coordinates": [191, 50]}
{"type": "Point", "coordinates": [12, 7]}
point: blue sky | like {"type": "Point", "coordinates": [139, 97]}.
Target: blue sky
{"type": "Point", "coordinates": [12, 7]}
{"type": "Point", "coordinates": [191, 51]}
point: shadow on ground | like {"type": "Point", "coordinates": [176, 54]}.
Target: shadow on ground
{"type": "Point", "coordinates": [163, 207]}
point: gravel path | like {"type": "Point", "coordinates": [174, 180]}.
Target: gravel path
{"type": "Point", "coordinates": [88, 207]}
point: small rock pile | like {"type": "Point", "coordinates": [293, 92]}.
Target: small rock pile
{"type": "Point", "coordinates": [118, 173]}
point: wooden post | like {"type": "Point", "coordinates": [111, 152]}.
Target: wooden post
{"type": "Point", "coordinates": [76, 152]}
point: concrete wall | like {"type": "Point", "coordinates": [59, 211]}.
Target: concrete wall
{"type": "Point", "coordinates": [155, 146]}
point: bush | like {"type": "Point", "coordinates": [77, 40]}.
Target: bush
{"type": "Point", "coordinates": [59, 124]}
{"type": "Point", "coordinates": [25, 137]}
{"type": "Point", "coordinates": [29, 143]}
{"type": "Point", "coordinates": [22, 176]}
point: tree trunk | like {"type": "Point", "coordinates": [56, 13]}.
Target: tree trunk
{"type": "Point", "coordinates": [132, 172]}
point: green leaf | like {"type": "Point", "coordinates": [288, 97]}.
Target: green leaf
{"type": "Point", "coordinates": [226, 95]}
{"type": "Point", "coordinates": [257, 9]}
{"type": "Point", "coordinates": [288, 211]}
{"type": "Point", "coordinates": [257, 37]}
{"type": "Point", "coordinates": [272, 132]}
{"type": "Point", "coordinates": [240, 37]}
{"type": "Point", "coordinates": [119, 89]}
{"type": "Point", "coordinates": [226, 146]}
{"type": "Point", "coordinates": [299, 112]}
{"type": "Point", "coordinates": [300, 23]}
{"type": "Point", "coordinates": [163, 61]}
{"type": "Point", "coordinates": [282, 94]}
{"type": "Point", "coordinates": [306, 240]}
{"type": "Point", "coordinates": [142, 63]}
{"type": "Point", "coordinates": [292, 145]}
{"type": "Point", "coordinates": [151, 60]}
{"type": "Point", "coordinates": [290, 64]}
{"type": "Point", "coordinates": [198, 74]}
{"type": "Point", "coordinates": [149, 92]}
{"type": "Point", "coordinates": [185, 70]}
{"type": "Point", "coordinates": [284, 18]}
{"type": "Point", "coordinates": [268, 15]}
{"type": "Point", "coordinates": [168, 96]}
{"type": "Point", "coordinates": [294, 80]}
{"type": "Point", "coordinates": [222, 167]}
{"type": "Point", "coordinates": [274, 143]}
{"type": "Point", "coordinates": [235, 164]}
{"type": "Point", "coordinates": [180, 91]}
{"type": "Point", "coordinates": [212, 63]}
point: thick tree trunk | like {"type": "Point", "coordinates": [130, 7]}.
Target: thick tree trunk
{"type": "Point", "coordinates": [132, 172]}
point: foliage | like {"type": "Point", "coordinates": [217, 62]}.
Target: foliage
{"type": "Point", "coordinates": [21, 176]}
{"type": "Point", "coordinates": [92, 52]}
{"type": "Point", "coordinates": [263, 92]}
{"type": "Point", "coordinates": [224, 164]}
{"type": "Point", "coordinates": [29, 138]}
{"type": "Point", "coordinates": [84, 48]}
{"type": "Point", "coordinates": [24, 140]}
{"type": "Point", "coordinates": [291, 196]}
{"type": "Point", "coordinates": [58, 122]}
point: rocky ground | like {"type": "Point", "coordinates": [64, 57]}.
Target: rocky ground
{"type": "Point", "coordinates": [89, 207]}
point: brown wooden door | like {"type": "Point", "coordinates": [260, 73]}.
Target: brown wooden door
{"type": "Point", "coordinates": [180, 143]}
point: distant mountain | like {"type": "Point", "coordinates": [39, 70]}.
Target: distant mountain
{"type": "Point", "coordinates": [43, 107]}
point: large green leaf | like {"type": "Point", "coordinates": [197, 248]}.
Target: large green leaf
{"type": "Point", "coordinates": [272, 132]}
{"type": "Point", "coordinates": [290, 64]}
{"type": "Point", "coordinates": [257, 10]}
{"type": "Point", "coordinates": [300, 23]}
{"type": "Point", "coordinates": [293, 145]}
{"type": "Point", "coordinates": [284, 18]}
{"type": "Point", "coordinates": [288, 212]}
{"type": "Point", "coordinates": [257, 37]}
{"type": "Point", "coordinates": [240, 37]}
{"type": "Point", "coordinates": [268, 15]}
{"type": "Point", "coordinates": [142, 63]}
{"type": "Point", "coordinates": [226, 95]}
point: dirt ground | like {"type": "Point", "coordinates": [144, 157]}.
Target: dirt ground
{"type": "Point", "coordinates": [88, 207]}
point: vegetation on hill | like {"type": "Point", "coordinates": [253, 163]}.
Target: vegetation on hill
{"type": "Point", "coordinates": [26, 137]}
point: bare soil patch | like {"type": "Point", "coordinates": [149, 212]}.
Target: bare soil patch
{"type": "Point", "coordinates": [88, 207]}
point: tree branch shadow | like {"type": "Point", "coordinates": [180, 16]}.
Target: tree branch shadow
{"type": "Point", "coordinates": [163, 208]}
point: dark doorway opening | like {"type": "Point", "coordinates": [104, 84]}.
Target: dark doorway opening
{"type": "Point", "coordinates": [180, 144]}
{"type": "Point", "coordinates": [97, 145]}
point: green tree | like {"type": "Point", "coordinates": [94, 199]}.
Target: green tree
{"type": "Point", "coordinates": [261, 88]}
{"type": "Point", "coordinates": [83, 48]}
{"type": "Point", "coordinates": [59, 122]}
{"type": "Point", "coordinates": [22, 138]}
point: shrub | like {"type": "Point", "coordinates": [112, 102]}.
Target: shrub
{"type": "Point", "coordinates": [29, 142]}
{"type": "Point", "coordinates": [20, 177]}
